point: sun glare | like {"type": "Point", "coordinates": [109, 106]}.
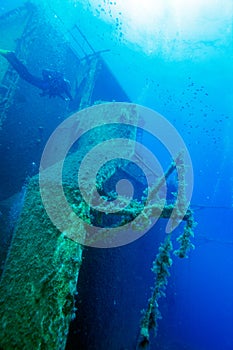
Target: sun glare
{"type": "Point", "coordinates": [146, 22]}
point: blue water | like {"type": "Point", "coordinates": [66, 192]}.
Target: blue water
{"type": "Point", "coordinates": [183, 70]}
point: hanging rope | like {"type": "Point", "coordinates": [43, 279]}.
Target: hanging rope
{"type": "Point", "coordinates": [163, 262]}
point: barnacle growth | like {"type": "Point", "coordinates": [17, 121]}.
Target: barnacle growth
{"type": "Point", "coordinates": [163, 262]}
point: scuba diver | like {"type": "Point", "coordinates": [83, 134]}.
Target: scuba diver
{"type": "Point", "coordinates": [52, 82]}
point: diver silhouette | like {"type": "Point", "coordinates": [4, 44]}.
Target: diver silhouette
{"type": "Point", "coordinates": [52, 82]}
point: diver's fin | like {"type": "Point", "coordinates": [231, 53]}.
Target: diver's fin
{"type": "Point", "coordinates": [4, 52]}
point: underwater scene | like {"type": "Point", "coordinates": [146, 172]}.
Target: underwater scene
{"type": "Point", "coordinates": [116, 182]}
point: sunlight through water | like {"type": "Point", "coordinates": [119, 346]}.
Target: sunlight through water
{"type": "Point", "coordinates": [150, 22]}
